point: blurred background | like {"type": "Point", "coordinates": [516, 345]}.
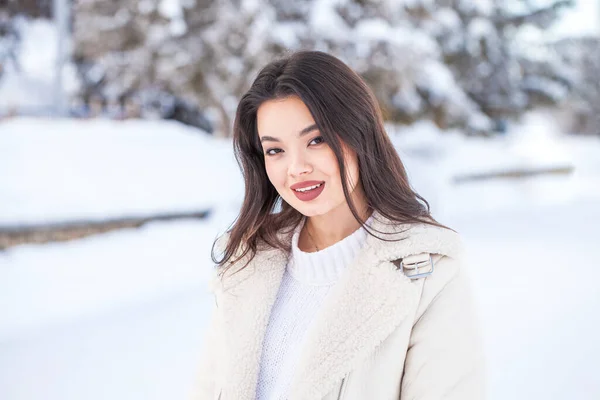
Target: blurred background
{"type": "Point", "coordinates": [117, 173]}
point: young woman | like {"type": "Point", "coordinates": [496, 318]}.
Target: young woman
{"type": "Point", "coordinates": [335, 281]}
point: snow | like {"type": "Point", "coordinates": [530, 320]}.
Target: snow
{"type": "Point", "coordinates": [109, 169]}
{"type": "Point", "coordinates": [38, 61]}
{"type": "Point", "coordinates": [373, 28]}
{"type": "Point", "coordinates": [173, 11]}
{"type": "Point", "coordinates": [286, 34]}
{"type": "Point", "coordinates": [408, 99]}
{"type": "Point", "coordinates": [436, 77]}
{"type": "Point", "coordinates": [535, 281]}
{"type": "Point", "coordinates": [435, 161]}
{"type": "Point", "coordinates": [29, 86]}
{"type": "Point", "coordinates": [326, 22]}
{"type": "Point", "coordinates": [101, 274]}
{"type": "Point", "coordinates": [146, 352]}
{"type": "Point", "coordinates": [415, 42]}
{"type": "Point", "coordinates": [481, 7]}
{"type": "Point", "coordinates": [170, 9]}
{"type": "Point", "coordinates": [146, 6]}
{"type": "Point", "coordinates": [554, 90]}
{"type": "Point", "coordinates": [447, 18]}
{"type": "Point", "coordinates": [581, 20]}
{"type": "Point", "coordinates": [122, 314]}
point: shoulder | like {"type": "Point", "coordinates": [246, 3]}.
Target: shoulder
{"type": "Point", "coordinates": [443, 247]}
{"type": "Point", "coordinates": [397, 241]}
{"type": "Point", "coordinates": [438, 252]}
{"type": "Point", "coordinates": [448, 286]}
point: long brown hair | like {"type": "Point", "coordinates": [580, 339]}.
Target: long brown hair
{"type": "Point", "coordinates": [346, 111]}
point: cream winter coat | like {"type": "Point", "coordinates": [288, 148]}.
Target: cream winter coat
{"type": "Point", "coordinates": [383, 333]}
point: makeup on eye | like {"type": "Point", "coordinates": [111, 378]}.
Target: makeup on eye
{"type": "Point", "coordinates": [321, 138]}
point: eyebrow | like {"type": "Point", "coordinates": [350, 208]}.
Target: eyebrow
{"type": "Point", "coordinates": [303, 132]}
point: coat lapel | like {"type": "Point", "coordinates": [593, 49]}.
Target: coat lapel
{"type": "Point", "coordinates": [370, 301]}
{"type": "Point", "coordinates": [246, 300]}
{"type": "Point", "coordinates": [361, 311]}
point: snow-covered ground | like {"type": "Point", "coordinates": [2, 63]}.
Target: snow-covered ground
{"type": "Point", "coordinates": [121, 315]}
{"type": "Point", "coordinates": [536, 280]}
{"type": "Point", "coordinates": [66, 170]}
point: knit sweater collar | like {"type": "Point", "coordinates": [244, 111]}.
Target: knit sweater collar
{"type": "Point", "coordinates": [324, 267]}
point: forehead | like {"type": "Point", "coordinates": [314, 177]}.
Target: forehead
{"type": "Point", "coordinates": [283, 118]}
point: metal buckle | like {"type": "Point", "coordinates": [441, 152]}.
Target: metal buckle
{"type": "Point", "coordinates": [415, 267]}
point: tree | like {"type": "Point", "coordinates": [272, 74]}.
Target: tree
{"type": "Point", "coordinates": [583, 56]}
{"type": "Point", "coordinates": [453, 61]}
{"type": "Point", "coordinates": [479, 41]}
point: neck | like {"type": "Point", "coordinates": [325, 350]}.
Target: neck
{"type": "Point", "coordinates": [328, 229]}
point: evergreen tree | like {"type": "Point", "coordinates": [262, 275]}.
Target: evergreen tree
{"type": "Point", "coordinates": [453, 61]}
{"type": "Point", "coordinates": [582, 55]}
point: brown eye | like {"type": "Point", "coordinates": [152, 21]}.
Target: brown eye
{"type": "Point", "coordinates": [269, 152]}
{"type": "Point", "coordinates": [319, 139]}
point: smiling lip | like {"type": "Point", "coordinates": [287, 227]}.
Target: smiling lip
{"type": "Point", "coordinates": [310, 194]}
{"type": "Point", "coordinates": [304, 184]}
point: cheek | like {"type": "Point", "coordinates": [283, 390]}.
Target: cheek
{"type": "Point", "coordinates": [276, 176]}
{"type": "Point", "coordinates": [328, 164]}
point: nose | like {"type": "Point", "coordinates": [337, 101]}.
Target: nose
{"type": "Point", "coordinates": [299, 165]}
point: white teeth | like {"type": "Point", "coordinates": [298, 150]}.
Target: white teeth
{"type": "Point", "coordinates": [308, 188]}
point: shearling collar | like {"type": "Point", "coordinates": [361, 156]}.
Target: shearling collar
{"type": "Point", "coordinates": [403, 240]}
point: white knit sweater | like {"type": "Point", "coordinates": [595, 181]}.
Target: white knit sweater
{"type": "Point", "coordinates": [306, 282]}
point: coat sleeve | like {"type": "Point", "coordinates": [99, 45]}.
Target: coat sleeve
{"type": "Point", "coordinates": [445, 355]}
{"type": "Point", "coordinates": [205, 381]}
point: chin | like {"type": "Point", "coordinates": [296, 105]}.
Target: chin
{"type": "Point", "coordinates": [312, 211]}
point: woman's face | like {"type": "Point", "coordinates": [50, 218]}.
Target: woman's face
{"type": "Point", "coordinates": [296, 155]}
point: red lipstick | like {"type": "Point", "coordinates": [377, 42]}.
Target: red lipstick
{"type": "Point", "coordinates": [310, 194]}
